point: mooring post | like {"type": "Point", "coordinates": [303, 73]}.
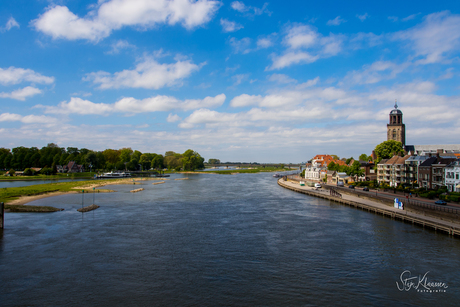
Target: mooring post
{"type": "Point", "coordinates": [2, 216]}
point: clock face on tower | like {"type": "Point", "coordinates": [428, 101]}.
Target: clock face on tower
{"type": "Point", "coordinates": [396, 130]}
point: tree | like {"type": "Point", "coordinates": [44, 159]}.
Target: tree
{"type": "Point", "coordinates": [364, 157]}
{"type": "Point", "coordinates": [12, 172]}
{"type": "Point", "coordinates": [145, 161]}
{"type": "Point", "coordinates": [214, 161]}
{"type": "Point", "coordinates": [348, 160]}
{"type": "Point", "coordinates": [388, 149]}
{"type": "Point", "coordinates": [335, 157]}
{"type": "Point", "coordinates": [91, 158]}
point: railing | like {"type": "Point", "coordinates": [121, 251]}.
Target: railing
{"type": "Point", "coordinates": [333, 192]}
{"type": "Point", "coordinates": [433, 207]}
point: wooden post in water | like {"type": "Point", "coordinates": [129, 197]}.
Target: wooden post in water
{"type": "Point", "coordinates": [2, 215]}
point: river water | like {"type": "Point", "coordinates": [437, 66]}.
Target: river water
{"type": "Point", "coordinates": [237, 240]}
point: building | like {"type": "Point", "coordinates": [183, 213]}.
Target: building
{"type": "Point", "coordinates": [392, 171]}
{"type": "Point", "coordinates": [396, 130]}
{"type": "Point", "coordinates": [452, 176]}
{"type": "Point", "coordinates": [431, 172]}
{"type": "Point", "coordinates": [412, 164]}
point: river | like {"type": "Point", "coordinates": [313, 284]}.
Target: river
{"type": "Point", "coordinates": [237, 240]}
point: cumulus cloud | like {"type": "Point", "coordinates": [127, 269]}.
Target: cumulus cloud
{"type": "Point", "coordinates": [281, 78]}
{"type": "Point", "coordinates": [362, 17]}
{"type": "Point", "coordinates": [305, 45]}
{"type": "Point", "coordinates": [241, 46]}
{"type": "Point", "coordinates": [230, 26]}
{"type": "Point", "coordinates": [336, 21]}
{"type": "Point", "coordinates": [172, 118]}
{"type": "Point", "coordinates": [28, 119]}
{"type": "Point", "coordinates": [120, 45]}
{"type": "Point", "coordinates": [148, 74]}
{"type": "Point", "coordinates": [434, 39]}
{"type": "Point", "coordinates": [130, 105]}
{"type": "Point", "coordinates": [60, 23]}
{"type": "Point", "coordinates": [13, 75]}
{"type": "Point", "coordinates": [11, 23]}
{"type": "Point", "coordinates": [250, 10]}
{"type": "Point", "coordinates": [376, 72]}
{"type": "Point", "coordinates": [21, 94]}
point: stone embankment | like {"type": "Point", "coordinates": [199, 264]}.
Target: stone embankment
{"type": "Point", "coordinates": [88, 208]}
{"type": "Point", "coordinates": [377, 207]}
{"type": "Point", "coordinates": [137, 190]}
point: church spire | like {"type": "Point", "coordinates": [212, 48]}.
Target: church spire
{"type": "Point", "coordinates": [396, 103]}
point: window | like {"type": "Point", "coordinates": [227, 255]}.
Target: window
{"type": "Point", "coordinates": [394, 134]}
{"type": "Point", "coordinates": [456, 176]}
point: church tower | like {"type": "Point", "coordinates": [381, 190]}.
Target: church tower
{"type": "Point", "coordinates": [396, 130]}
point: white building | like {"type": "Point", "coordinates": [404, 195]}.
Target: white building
{"type": "Point", "coordinates": [452, 176]}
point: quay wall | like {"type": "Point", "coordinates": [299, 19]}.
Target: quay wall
{"type": "Point", "coordinates": [402, 215]}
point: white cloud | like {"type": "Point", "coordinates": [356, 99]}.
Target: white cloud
{"type": "Point", "coordinates": [205, 116]}
{"type": "Point", "coordinates": [250, 10]}
{"type": "Point", "coordinates": [264, 42]}
{"type": "Point", "coordinates": [376, 72]}
{"type": "Point", "coordinates": [239, 78]}
{"type": "Point", "coordinates": [410, 17]}
{"type": "Point", "coordinates": [306, 45]}
{"type": "Point", "coordinates": [241, 46]}
{"type": "Point", "coordinates": [336, 21]}
{"type": "Point", "coordinates": [130, 105]}
{"type": "Point", "coordinates": [59, 22]}
{"type": "Point", "coordinates": [245, 100]}
{"type": "Point", "coordinates": [434, 39]}
{"type": "Point", "coordinates": [148, 74]}
{"type": "Point", "coordinates": [120, 45]}
{"type": "Point", "coordinates": [362, 17]}
{"type": "Point", "coordinates": [13, 75]}
{"type": "Point", "coordinates": [28, 119]}
{"type": "Point", "coordinates": [172, 118]}
{"type": "Point", "coordinates": [291, 58]}
{"type": "Point", "coordinates": [281, 78]}
{"type": "Point", "coordinates": [230, 26]}
{"type": "Point", "coordinates": [11, 23]}
{"type": "Point", "coordinates": [21, 94]}
{"type": "Point", "coordinates": [393, 18]}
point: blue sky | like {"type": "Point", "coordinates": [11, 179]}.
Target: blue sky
{"type": "Point", "coordinates": [235, 80]}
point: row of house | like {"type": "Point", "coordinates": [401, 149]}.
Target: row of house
{"type": "Point", "coordinates": [430, 171]}
{"type": "Point", "coordinates": [316, 170]}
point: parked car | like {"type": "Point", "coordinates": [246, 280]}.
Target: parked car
{"type": "Point", "coordinates": [366, 189]}
{"type": "Point", "coordinates": [317, 185]}
{"type": "Point", "coordinates": [351, 186]}
{"type": "Point", "coordinates": [440, 202]}
{"type": "Point", "coordinates": [340, 184]}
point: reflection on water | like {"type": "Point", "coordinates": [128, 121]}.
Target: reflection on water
{"type": "Point", "coordinates": [217, 240]}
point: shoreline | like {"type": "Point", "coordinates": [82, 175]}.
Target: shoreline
{"type": "Point", "coordinates": [25, 200]}
{"type": "Point", "coordinates": [371, 206]}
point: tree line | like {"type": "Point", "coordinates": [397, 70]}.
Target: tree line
{"type": "Point", "coordinates": [50, 156]}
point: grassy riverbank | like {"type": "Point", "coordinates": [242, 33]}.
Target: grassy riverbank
{"type": "Point", "coordinates": [49, 177]}
{"type": "Point", "coordinates": [15, 198]}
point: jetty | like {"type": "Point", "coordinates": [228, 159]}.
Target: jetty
{"type": "Point", "coordinates": [382, 207]}
{"type": "Point", "coordinates": [137, 190]}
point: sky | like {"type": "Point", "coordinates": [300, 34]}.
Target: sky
{"type": "Point", "coordinates": [253, 81]}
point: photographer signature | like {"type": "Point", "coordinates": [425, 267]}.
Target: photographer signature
{"type": "Point", "coordinates": [419, 283]}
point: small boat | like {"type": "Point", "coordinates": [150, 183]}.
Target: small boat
{"type": "Point", "coordinates": [114, 175]}
{"type": "Point", "coordinates": [277, 175]}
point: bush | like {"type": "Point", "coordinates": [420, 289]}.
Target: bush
{"type": "Point", "coordinates": [28, 172]}
{"type": "Point", "coordinates": [11, 172]}
{"type": "Point", "coordinates": [46, 171]}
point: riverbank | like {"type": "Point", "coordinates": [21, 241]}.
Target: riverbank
{"type": "Point", "coordinates": [383, 208]}
{"type": "Point", "coordinates": [19, 197]}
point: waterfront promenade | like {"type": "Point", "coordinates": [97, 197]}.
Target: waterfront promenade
{"type": "Point", "coordinates": [449, 227]}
